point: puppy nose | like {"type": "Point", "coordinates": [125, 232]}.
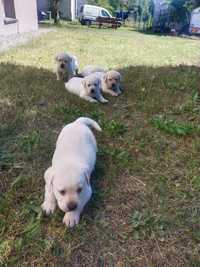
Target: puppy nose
{"type": "Point", "coordinates": [62, 65]}
{"type": "Point", "coordinates": [92, 91]}
{"type": "Point", "coordinates": [72, 206]}
{"type": "Point", "coordinates": [113, 84]}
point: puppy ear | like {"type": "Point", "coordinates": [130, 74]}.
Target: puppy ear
{"type": "Point", "coordinates": [56, 58]}
{"type": "Point", "coordinates": [84, 83]}
{"type": "Point", "coordinates": [105, 78]}
{"type": "Point", "coordinates": [48, 176]}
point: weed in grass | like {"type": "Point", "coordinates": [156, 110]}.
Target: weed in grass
{"type": "Point", "coordinates": [147, 223]}
{"type": "Point", "coordinates": [28, 143]}
{"type": "Point", "coordinates": [173, 127]}
{"type": "Point", "coordinates": [195, 96]}
{"type": "Point", "coordinates": [5, 251]}
{"type": "Point", "coordinates": [114, 128]}
{"type": "Point", "coordinates": [6, 160]}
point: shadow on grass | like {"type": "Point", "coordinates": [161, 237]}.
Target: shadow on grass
{"type": "Point", "coordinates": [34, 107]}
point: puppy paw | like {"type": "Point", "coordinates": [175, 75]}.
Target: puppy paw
{"type": "Point", "coordinates": [114, 94]}
{"type": "Point", "coordinates": [93, 100]}
{"type": "Point", "coordinates": [71, 218]}
{"type": "Point", "coordinates": [104, 101]}
{"type": "Point", "coordinates": [48, 207]}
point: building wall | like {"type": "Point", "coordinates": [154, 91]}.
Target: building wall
{"type": "Point", "coordinates": [26, 15]}
{"type": "Point", "coordinates": [160, 6]}
{"type": "Point", "coordinates": [9, 28]}
{"type": "Point", "coordinates": [43, 5]}
{"type": "Point", "coordinates": [70, 8]}
{"type": "Point", "coordinates": [65, 9]}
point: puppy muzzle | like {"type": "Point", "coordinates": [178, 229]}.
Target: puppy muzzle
{"type": "Point", "coordinates": [72, 206]}
{"type": "Point", "coordinates": [62, 65]}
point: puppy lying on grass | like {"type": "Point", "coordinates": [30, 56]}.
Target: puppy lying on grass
{"type": "Point", "coordinates": [110, 80]}
{"type": "Point", "coordinates": [67, 66]}
{"type": "Point", "coordinates": [67, 181]}
{"type": "Point", "coordinates": [87, 70]}
{"type": "Point", "coordinates": [87, 88]}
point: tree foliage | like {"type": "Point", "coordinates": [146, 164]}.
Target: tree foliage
{"type": "Point", "coordinates": [181, 9]}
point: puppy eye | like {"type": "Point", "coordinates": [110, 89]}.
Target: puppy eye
{"type": "Point", "coordinates": [110, 79]}
{"type": "Point", "coordinates": [79, 190]}
{"type": "Point", "coordinates": [95, 84]}
{"type": "Point", "coordinates": [62, 192]}
{"type": "Point", "coordinates": [89, 84]}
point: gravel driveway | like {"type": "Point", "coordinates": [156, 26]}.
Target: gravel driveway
{"type": "Point", "coordinates": [13, 40]}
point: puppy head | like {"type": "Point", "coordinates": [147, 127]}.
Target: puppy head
{"type": "Point", "coordinates": [63, 60]}
{"type": "Point", "coordinates": [91, 85]}
{"type": "Point", "coordinates": [112, 79]}
{"type": "Point", "coordinates": [69, 187]}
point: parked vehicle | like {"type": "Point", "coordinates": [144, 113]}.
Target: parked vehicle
{"type": "Point", "coordinates": [195, 22]}
{"type": "Point", "coordinates": [89, 13]}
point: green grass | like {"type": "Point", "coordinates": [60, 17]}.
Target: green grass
{"type": "Point", "coordinates": [145, 206]}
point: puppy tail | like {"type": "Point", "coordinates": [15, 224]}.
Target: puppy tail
{"type": "Point", "coordinates": [89, 122]}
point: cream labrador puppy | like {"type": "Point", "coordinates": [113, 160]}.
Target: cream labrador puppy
{"type": "Point", "coordinates": [87, 88]}
{"type": "Point", "coordinates": [87, 70]}
{"type": "Point", "coordinates": [67, 181]}
{"type": "Point", "coordinates": [110, 82]}
{"type": "Point", "coordinates": [67, 66]}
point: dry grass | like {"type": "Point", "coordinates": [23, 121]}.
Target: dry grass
{"type": "Point", "coordinates": [145, 207]}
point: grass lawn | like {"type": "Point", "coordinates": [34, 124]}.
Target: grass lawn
{"type": "Point", "coordinates": [145, 209]}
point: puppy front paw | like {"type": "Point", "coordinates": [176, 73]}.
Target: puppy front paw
{"type": "Point", "coordinates": [104, 101]}
{"type": "Point", "coordinates": [48, 207]}
{"type": "Point", "coordinates": [114, 94]}
{"type": "Point", "coordinates": [92, 100]}
{"type": "Point", "coordinates": [71, 218]}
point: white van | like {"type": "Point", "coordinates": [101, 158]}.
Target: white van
{"type": "Point", "coordinates": [89, 13]}
{"type": "Point", "coordinates": [195, 22]}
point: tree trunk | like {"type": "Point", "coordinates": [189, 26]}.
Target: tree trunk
{"type": "Point", "coordinates": [56, 11]}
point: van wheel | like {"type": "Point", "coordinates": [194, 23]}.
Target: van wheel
{"type": "Point", "coordinates": [82, 22]}
{"type": "Point", "coordinates": [88, 22]}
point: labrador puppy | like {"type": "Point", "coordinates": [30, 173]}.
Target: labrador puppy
{"type": "Point", "coordinates": [87, 88]}
{"type": "Point", "coordinates": [67, 181]}
{"type": "Point", "coordinates": [110, 82]}
{"type": "Point", "coordinates": [66, 66]}
{"type": "Point", "coordinates": [87, 70]}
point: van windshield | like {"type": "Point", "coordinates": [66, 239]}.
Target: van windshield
{"type": "Point", "coordinates": [104, 13]}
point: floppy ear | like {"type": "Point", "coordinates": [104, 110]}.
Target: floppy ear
{"type": "Point", "coordinates": [105, 78]}
{"type": "Point", "coordinates": [48, 177]}
{"type": "Point", "coordinates": [84, 83]}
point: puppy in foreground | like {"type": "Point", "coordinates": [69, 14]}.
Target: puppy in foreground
{"type": "Point", "coordinates": [67, 66]}
{"type": "Point", "coordinates": [87, 88]}
{"type": "Point", "coordinates": [67, 181]}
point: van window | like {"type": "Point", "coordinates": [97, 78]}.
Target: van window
{"type": "Point", "coordinates": [81, 9]}
{"type": "Point", "coordinates": [104, 13]}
